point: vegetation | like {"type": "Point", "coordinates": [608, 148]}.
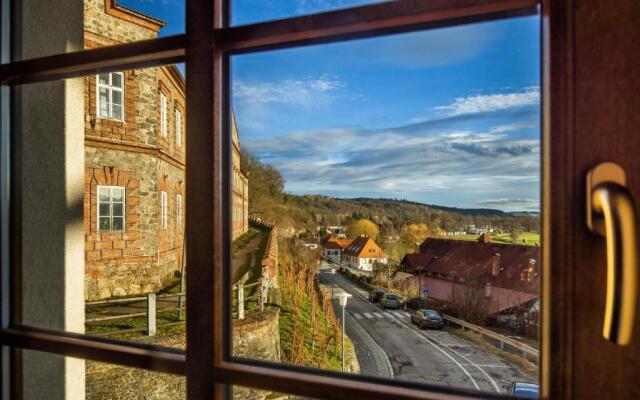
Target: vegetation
{"type": "Point", "coordinates": [525, 238]}
{"type": "Point", "coordinates": [310, 334]}
{"type": "Point", "coordinates": [296, 215]}
{"type": "Point", "coordinates": [359, 227]}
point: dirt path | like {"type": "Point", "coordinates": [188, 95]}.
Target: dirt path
{"type": "Point", "coordinates": [244, 256]}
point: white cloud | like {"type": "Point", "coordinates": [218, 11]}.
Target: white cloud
{"type": "Point", "coordinates": [306, 92]}
{"type": "Point", "coordinates": [491, 102]}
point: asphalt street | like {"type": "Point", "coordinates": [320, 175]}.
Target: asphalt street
{"type": "Point", "coordinates": [389, 345]}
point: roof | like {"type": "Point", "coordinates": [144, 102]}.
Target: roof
{"type": "Point", "coordinates": [364, 246]}
{"type": "Point", "coordinates": [333, 243]}
{"type": "Point", "coordinates": [475, 261]}
{"type": "Point", "coordinates": [112, 7]}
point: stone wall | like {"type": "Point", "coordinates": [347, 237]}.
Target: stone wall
{"type": "Point", "coordinates": [257, 337]}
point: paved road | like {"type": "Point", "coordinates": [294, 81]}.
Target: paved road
{"type": "Point", "coordinates": [389, 345]}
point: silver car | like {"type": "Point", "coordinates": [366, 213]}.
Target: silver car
{"type": "Point", "coordinates": [390, 300]}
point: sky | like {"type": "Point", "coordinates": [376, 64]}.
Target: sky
{"type": "Point", "coordinates": [448, 116]}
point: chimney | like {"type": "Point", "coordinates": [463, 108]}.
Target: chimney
{"type": "Point", "coordinates": [495, 264]}
{"type": "Point", "coordinates": [417, 251]}
{"type": "Point", "coordinates": [487, 290]}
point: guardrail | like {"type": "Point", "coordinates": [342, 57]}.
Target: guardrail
{"type": "Point", "coordinates": [502, 340]}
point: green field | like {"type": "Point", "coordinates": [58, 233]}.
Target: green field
{"type": "Point", "coordinates": [531, 238]}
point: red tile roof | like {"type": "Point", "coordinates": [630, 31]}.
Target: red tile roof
{"type": "Point", "coordinates": [507, 266]}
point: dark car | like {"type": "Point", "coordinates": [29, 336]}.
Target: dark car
{"type": "Point", "coordinates": [522, 389]}
{"type": "Point", "coordinates": [427, 319]}
{"type": "Point", "coordinates": [376, 295]}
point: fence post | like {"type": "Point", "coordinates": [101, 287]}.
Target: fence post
{"type": "Point", "coordinates": [240, 300]}
{"type": "Point", "coordinates": [151, 314]}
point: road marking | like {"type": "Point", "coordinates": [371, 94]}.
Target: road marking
{"type": "Point", "coordinates": [435, 344]}
{"type": "Point", "coordinates": [358, 316]}
{"type": "Point", "coordinates": [368, 315]}
{"type": "Point", "coordinates": [402, 314]}
{"type": "Point", "coordinates": [385, 356]}
{"type": "Point", "coordinates": [378, 315]}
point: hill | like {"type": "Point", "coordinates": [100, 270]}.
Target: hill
{"type": "Point", "coordinates": [296, 214]}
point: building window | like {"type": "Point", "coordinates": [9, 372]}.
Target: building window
{"type": "Point", "coordinates": [110, 98]}
{"type": "Point", "coordinates": [163, 211]}
{"type": "Point", "coordinates": [111, 208]}
{"type": "Point", "coordinates": [163, 114]}
{"type": "Point", "coordinates": [179, 211]}
{"type": "Point", "coordinates": [178, 128]}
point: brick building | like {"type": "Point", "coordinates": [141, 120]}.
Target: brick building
{"type": "Point", "coordinates": [135, 165]}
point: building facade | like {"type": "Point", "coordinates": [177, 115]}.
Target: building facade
{"type": "Point", "coordinates": [134, 196]}
{"type": "Point", "coordinates": [363, 253]}
{"type": "Point", "coordinates": [240, 192]}
{"type": "Point", "coordinates": [332, 249]}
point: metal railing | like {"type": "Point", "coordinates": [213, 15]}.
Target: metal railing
{"type": "Point", "coordinates": [525, 349]}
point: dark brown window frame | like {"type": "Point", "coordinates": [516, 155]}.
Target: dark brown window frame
{"type": "Point", "coordinates": [206, 48]}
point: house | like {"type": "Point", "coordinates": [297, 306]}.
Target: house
{"type": "Point", "coordinates": [135, 161]}
{"type": "Point", "coordinates": [363, 253]}
{"type": "Point", "coordinates": [502, 277]}
{"type": "Point", "coordinates": [333, 248]}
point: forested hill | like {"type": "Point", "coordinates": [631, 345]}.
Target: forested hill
{"type": "Point", "coordinates": [294, 213]}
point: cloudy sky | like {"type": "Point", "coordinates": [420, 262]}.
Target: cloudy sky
{"type": "Point", "coordinates": [447, 116]}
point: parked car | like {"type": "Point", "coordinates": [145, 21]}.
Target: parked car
{"type": "Point", "coordinates": [376, 295]}
{"type": "Point", "coordinates": [427, 319]}
{"type": "Point", "coordinates": [390, 300]}
{"type": "Point", "coordinates": [523, 389]}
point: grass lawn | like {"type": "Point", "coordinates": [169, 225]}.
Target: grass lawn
{"type": "Point", "coordinates": [531, 238]}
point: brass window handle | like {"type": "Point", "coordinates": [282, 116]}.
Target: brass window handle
{"type": "Point", "coordinates": [611, 213]}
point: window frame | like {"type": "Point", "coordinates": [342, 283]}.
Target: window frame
{"type": "Point", "coordinates": [177, 116]}
{"type": "Point", "coordinates": [124, 208]}
{"type": "Point", "coordinates": [163, 115]}
{"type": "Point", "coordinates": [210, 368]}
{"type": "Point", "coordinates": [163, 209]}
{"type": "Point", "coordinates": [179, 211]}
{"type": "Point", "coordinates": [110, 89]}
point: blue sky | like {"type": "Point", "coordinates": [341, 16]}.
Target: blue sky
{"type": "Point", "coordinates": [447, 116]}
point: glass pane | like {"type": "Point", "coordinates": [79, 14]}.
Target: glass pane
{"type": "Point", "coordinates": [116, 111]}
{"type": "Point", "coordinates": [116, 80]}
{"type": "Point", "coordinates": [116, 97]}
{"type": "Point", "coordinates": [103, 102]}
{"type": "Point", "coordinates": [104, 194]}
{"type": "Point", "coordinates": [112, 260]}
{"type": "Point", "coordinates": [117, 223]}
{"type": "Point", "coordinates": [252, 11]}
{"type": "Point", "coordinates": [117, 194]}
{"type": "Point", "coordinates": [117, 209]}
{"type": "Point", "coordinates": [95, 23]}
{"type": "Point", "coordinates": [415, 158]}
{"type": "Point", "coordinates": [105, 223]}
{"type": "Point", "coordinates": [103, 79]}
{"type": "Point", "coordinates": [105, 209]}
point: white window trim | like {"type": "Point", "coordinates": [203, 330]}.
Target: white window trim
{"type": "Point", "coordinates": [124, 208]}
{"type": "Point", "coordinates": [111, 88]}
{"type": "Point", "coordinates": [163, 114]}
{"type": "Point", "coordinates": [163, 210]}
{"type": "Point", "coordinates": [178, 122]}
{"type": "Point", "coordinates": [178, 211]}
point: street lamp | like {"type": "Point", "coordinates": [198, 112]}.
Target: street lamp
{"type": "Point", "coordinates": [332, 271]}
{"type": "Point", "coordinates": [343, 297]}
